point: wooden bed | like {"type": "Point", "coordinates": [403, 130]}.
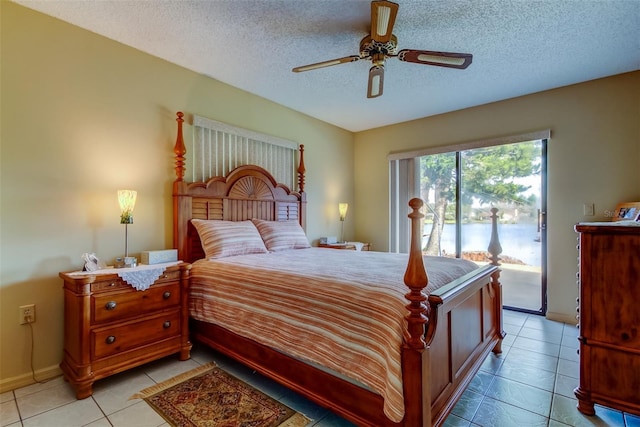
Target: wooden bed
{"type": "Point", "coordinates": [449, 332]}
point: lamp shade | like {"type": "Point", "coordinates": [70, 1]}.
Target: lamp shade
{"type": "Point", "coordinates": [127, 200]}
{"type": "Point", "coordinates": [342, 208]}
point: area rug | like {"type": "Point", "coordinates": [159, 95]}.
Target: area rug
{"type": "Point", "coordinates": [210, 397]}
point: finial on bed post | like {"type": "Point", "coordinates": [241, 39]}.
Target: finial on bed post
{"type": "Point", "coordinates": [301, 170]}
{"type": "Point", "coordinates": [416, 279]}
{"type": "Point", "coordinates": [179, 148]}
{"type": "Point", "coordinates": [495, 249]}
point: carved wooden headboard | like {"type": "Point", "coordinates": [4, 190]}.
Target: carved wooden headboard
{"type": "Point", "coordinates": [246, 192]}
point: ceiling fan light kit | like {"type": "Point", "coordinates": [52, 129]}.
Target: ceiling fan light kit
{"type": "Point", "coordinates": [381, 44]}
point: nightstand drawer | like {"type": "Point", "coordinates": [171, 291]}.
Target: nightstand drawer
{"type": "Point", "coordinates": [108, 341]}
{"type": "Point", "coordinates": [107, 307]}
{"type": "Point", "coordinates": [110, 285]}
{"type": "Point", "coordinates": [117, 284]}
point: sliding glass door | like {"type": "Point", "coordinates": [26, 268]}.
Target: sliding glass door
{"type": "Point", "coordinates": [461, 187]}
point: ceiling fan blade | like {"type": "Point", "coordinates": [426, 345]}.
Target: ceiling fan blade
{"type": "Point", "coordinates": [328, 63]}
{"type": "Point", "coordinates": [442, 59]}
{"type": "Point", "coordinates": [376, 81]}
{"type": "Point", "coordinates": [383, 17]}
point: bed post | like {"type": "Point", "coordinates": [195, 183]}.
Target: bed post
{"type": "Point", "coordinates": [416, 370]}
{"type": "Point", "coordinates": [495, 249]}
{"type": "Point", "coordinates": [179, 149]}
{"type": "Point", "coordinates": [301, 169]}
{"type": "Point", "coordinates": [180, 225]}
{"type": "Point", "coordinates": [303, 196]}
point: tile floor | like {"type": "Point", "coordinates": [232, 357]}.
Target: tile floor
{"type": "Point", "coordinates": [530, 384]}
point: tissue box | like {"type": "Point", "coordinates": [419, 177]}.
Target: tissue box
{"type": "Point", "coordinates": [159, 257]}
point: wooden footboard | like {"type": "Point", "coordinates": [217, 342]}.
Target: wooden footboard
{"type": "Point", "coordinates": [467, 328]}
{"type": "Point", "coordinates": [450, 335]}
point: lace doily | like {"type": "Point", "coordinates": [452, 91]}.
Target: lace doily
{"type": "Point", "coordinates": [358, 245]}
{"type": "Point", "coordinates": [141, 280]}
{"type": "Point", "coordinates": [140, 277]}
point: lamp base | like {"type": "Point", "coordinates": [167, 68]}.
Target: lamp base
{"type": "Point", "coordinates": [126, 262]}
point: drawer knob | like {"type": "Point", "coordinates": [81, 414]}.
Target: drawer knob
{"type": "Point", "coordinates": [625, 336]}
{"type": "Point", "coordinates": [111, 305]}
{"type": "Point", "coordinates": [166, 324]}
{"type": "Point", "coordinates": [110, 339]}
{"type": "Point", "coordinates": [166, 295]}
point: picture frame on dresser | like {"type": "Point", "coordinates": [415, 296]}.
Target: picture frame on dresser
{"type": "Point", "coordinates": [629, 211]}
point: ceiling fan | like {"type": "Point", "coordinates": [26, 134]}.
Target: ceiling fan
{"type": "Point", "coordinates": [381, 44]}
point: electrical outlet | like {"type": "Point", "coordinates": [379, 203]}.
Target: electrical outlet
{"type": "Point", "coordinates": [27, 313]}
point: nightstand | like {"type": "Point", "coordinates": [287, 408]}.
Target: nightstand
{"type": "Point", "coordinates": [109, 326]}
{"type": "Point", "coordinates": [347, 245]}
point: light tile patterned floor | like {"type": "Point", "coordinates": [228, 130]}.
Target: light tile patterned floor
{"type": "Point", "coordinates": [530, 384]}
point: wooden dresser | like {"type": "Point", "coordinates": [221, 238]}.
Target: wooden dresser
{"type": "Point", "coordinates": [609, 317]}
{"type": "Point", "coordinates": [109, 326]}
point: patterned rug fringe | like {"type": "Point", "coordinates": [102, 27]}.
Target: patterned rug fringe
{"type": "Point", "coordinates": [157, 388]}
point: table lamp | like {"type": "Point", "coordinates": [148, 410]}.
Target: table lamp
{"type": "Point", "coordinates": [127, 201]}
{"type": "Point", "coordinates": [342, 208]}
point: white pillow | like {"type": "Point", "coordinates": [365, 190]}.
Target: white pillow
{"type": "Point", "coordinates": [282, 235]}
{"type": "Point", "coordinates": [228, 238]}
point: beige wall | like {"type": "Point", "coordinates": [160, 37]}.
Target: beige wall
{"type": "Point", "coordinates": [593, 156]}
{"type": "Point", "coordinates": [83, 116]}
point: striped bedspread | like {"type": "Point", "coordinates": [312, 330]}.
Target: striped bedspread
{"type": "Point", "coordinates": [340, 309]}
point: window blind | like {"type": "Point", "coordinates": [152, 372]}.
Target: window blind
{"type": "Point", "coordinates": [218, 148]}
{"type": "Point", "coordinates": [511, 139]}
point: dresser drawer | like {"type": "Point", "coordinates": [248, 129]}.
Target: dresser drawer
{"type": "Point", "coordinates": [107, 307]}
{"type": "Point", "coordinates": [112, 340]}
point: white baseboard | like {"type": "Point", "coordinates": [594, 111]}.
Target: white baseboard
{"type": "Point", "coordinates": [7, 384]}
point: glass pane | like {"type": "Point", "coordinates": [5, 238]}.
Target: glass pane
{"type": "Point", "coordinates": [506, 177]}
{"type": "Point", "coordinates": [438, 189]}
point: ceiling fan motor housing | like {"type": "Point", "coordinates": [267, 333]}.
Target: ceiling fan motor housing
{"type": "Point", "coordinates": [370, 47]}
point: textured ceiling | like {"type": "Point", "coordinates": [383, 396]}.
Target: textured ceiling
{"type": "Point", "coordinates": [519, 47]}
